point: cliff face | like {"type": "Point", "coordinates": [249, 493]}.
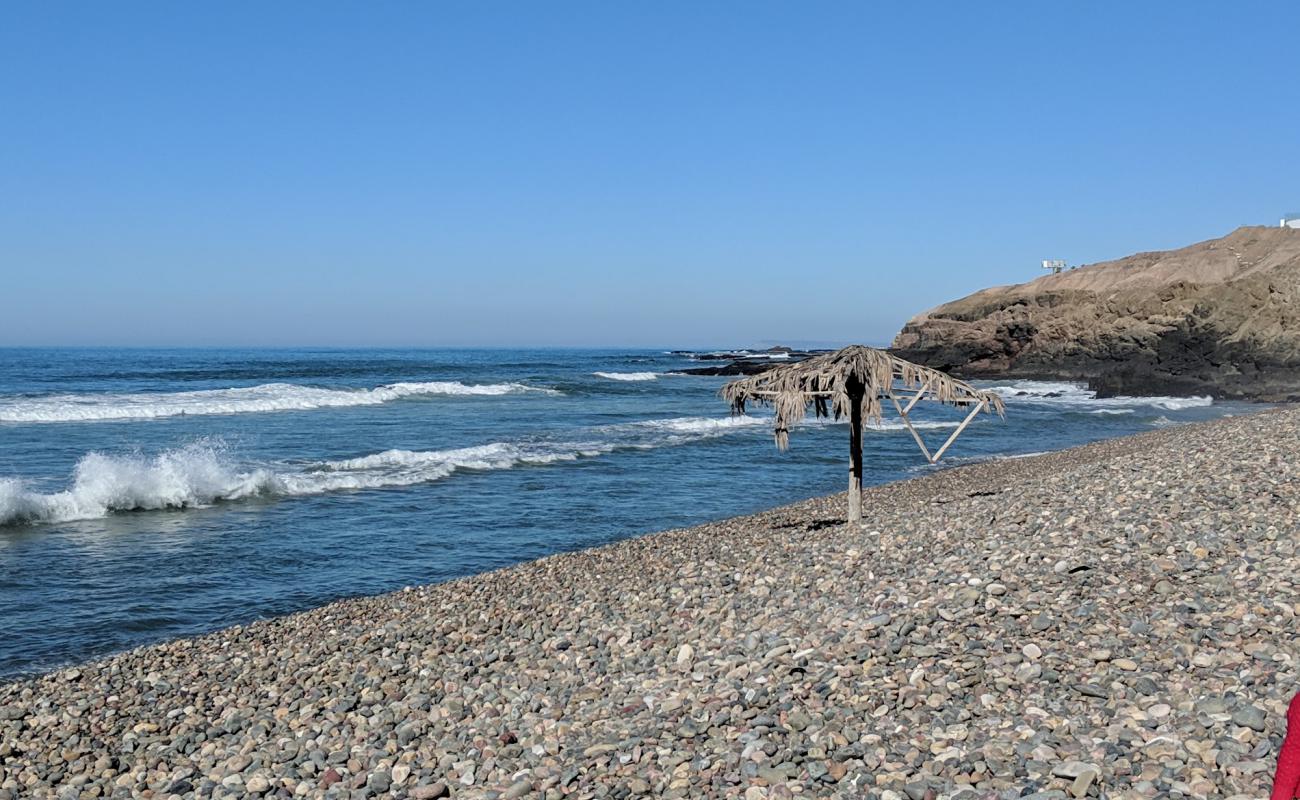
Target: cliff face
{"type": "Point", "coordinates": [1220, 317]}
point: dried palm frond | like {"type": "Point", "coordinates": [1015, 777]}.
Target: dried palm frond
{"type": "Point", "coordinates": [829, 383]}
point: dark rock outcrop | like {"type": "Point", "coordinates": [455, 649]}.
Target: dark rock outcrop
{"type": "Point", "coordinates": [744, 362]}
{"type": "Point", "coordinates": [1220, 317]}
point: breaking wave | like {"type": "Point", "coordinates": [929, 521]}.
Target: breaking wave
{"type": "Point", "coordinates": [205, 472]}
{"type": "Point", "coordinates": [690, 425]}
{"type": "Point", "coordinates": [892, 425]}
{"type": "Point", "coordinates": [195, 475]}
{"type": "Point", "coordinates": [252, 399]}
{"type": "Point", "coordinates": [626, 376]}
{"type": "Point", "coordinates": [1070, 394]}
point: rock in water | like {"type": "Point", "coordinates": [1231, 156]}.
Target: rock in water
{"type": "Point", "coordinates": [1218, 317]}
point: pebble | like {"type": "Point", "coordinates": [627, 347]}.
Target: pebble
{"type": "Point", "coordinates": [1114, 620]}
{"type": "Point", "coordinates": [1250, 716]}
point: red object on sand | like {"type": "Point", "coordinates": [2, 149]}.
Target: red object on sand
{"type": "Point", "coordinates": [1286, 783]}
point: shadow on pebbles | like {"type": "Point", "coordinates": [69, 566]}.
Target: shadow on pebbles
{"type": "Point", "coordinates": [1117, 620]}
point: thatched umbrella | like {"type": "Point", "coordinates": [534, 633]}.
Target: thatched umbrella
{"type": "Point", "coordinates": [853, 383]}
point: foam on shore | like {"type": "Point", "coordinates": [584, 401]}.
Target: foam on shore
{"type": "Point", "coordinates": [1076, 395]}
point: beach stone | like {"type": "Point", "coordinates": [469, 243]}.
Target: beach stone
{"type": "Point", "coordinates": [379, 781]}
{"type": "Point", "coordinates": [1146, 686]}
{"type": "Point", "coordinates": [1250, 716]}
{"type": "Point", "coordinates": [1073, 769]}
{"type": "Point", "coordinates": [756, 657]}
{"type": "Point", "coordinates": [1083, 782]}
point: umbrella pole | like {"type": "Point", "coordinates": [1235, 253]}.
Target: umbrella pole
{"type": "Point", "coordinates": [855, 392]}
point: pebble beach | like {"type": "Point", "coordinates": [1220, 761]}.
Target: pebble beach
{"type": "Point", "coordinates": [1115, 620]}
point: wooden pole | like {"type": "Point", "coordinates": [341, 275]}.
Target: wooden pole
{"type": "Point", "coordinates": [902, 412]}
{"type": "Point", "coordinates": [977, 409]}
{"type": "Point", "coordinates": [855, 391]}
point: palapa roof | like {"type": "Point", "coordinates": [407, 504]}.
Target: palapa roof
{"type": "Point", "coordinates": [824, 382]}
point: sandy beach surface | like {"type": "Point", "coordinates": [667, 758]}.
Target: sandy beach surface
{"type": "Point", "coordinates": [1116, 620]}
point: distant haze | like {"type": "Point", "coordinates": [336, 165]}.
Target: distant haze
{"type": "Point", "coordinates": [662, 175]}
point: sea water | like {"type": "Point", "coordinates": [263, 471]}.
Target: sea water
{"type": "Point", "coordinates": [148, 494]}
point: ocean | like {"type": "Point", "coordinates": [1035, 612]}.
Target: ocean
{"type": "Point", "coordinates": [150, 494]}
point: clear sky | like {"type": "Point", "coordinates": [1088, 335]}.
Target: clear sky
{"type": "Point", "coordinates": [609, 173]}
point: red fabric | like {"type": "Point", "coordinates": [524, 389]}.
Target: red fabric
{"type": "Point", "coordinates": [1286, 783]}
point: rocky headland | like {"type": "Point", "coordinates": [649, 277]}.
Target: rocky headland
{"type": "Point", "coordinates": [1221, 317]}
{"type": "Point", "coordinates": [1117, 620]}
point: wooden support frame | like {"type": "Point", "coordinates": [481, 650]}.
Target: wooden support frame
{"type": "Point", "coordinates": [837, 384]}
{"type": "Point", "coordinates": [976, 408]}
{"type": "Point", "coordinates": [904, 412]}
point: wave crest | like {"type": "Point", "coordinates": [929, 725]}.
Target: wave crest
{"type": "Point", "coordinates": [205, 473]}
{"type": "Point", "coordinates": [195, 475]}
{"type": "Point", "coordinates": [252, 399]}
{"type": "Point", "coordinates": [626, 376]}
{"type": "Point", "coordinates": [1071, 394]}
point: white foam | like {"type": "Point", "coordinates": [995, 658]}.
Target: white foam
{"type": "Point", "coordinates": [878, 425]}
{"type": "Point", "coordinates": [694, 425]}
{"type": "Point", "coordinates": [1179, 403]}
{"type": "Point", "coordinates": [195, 475]}
{"type": "Point", "coordinates": [1078, 396]}
{"type": "Point", "coordinates": [202, 474]}
{"type": "Point", "coordinates": [205, 473]}
{"type": "Point", "coordinates": [1042, 389]}
{"type": "Point", "coordinates": [894, 425]}
{"type": "Point", "coordinates": [251, 399]}
{"type": "Point", "coordinates": [626, 376]}
{"type": "Point", "coordinates": [497, 455]}
{"type": "Point", "coordinates": [709, 425]}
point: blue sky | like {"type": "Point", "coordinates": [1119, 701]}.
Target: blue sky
{"type": "Point", "coordinates": [603, 173]}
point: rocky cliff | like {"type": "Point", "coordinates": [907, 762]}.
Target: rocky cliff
{"type": "Point", "coordinates": [1221, 317]}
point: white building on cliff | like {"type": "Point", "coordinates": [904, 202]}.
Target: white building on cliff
{"type": "Point", "coordinates": [1291, 220]}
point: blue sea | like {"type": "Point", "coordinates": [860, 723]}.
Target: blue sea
{"type": "Point", "coordinates": [149, 494]}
